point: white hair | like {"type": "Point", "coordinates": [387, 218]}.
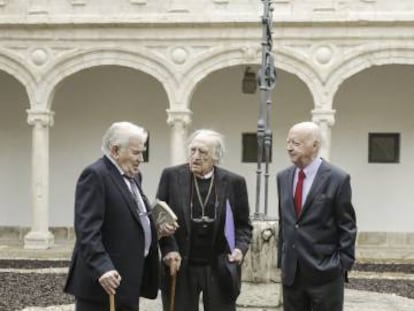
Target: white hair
{"type": "Point", "coordinates": [312, 133]}
{"type": "Point", "coordinates": [212, 137]}
{"type": "Point", "coordinates": [119, 134]}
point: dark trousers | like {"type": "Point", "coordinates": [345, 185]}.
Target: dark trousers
{"type": "Point", "coordinates": [88, 305]}
{"type": "Point", "coordinates": [305, 295]}
{"type": "Point", "coordinates": [191, 282]}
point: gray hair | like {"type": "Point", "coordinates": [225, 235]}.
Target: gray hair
{"type": "Point", "coordinates": [119, 133]}
{"type": "Point", "coordinates": [215, 139]}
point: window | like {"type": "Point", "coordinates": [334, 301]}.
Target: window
{"type": "Point", "coordinates": [146, 152]}
{"type": "Point", "coordinates": [384, 147]}
{"type": "Point", "coordinates": [249, 148]}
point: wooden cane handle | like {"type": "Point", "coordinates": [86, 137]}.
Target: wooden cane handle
{"type": "Point", "coordinates": [172, 294]}
{"type": "Point", "coordinates": [111, 302]}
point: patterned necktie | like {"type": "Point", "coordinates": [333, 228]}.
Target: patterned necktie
{"type": "Point", "coordinates": [298, 193]}
{"type": "Point", "coordinates": [142, 213]}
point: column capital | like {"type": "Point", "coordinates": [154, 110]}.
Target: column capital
{"type": "Point", "coordinates": [182, 116]}
{"type": "Point", "coordinates": [42, 117]}
{"type": "Point", "coordinates": [324, 116]}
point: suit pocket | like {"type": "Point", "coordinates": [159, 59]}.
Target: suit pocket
{"type": "Point", "coordinates": [325, 249]}
{"type": "Point", "coordinates": [328, 258]}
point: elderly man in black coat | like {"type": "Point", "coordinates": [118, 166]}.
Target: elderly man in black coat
{"type": "Point", "coordinates": [317, 225]}
{"type": "Point", "coordinates": [116, 250]}
{"type": "Point", "coordinates": [203, 195]}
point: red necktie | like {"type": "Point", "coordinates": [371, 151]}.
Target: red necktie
{"type": "Point", "coordinates": [298, 192]}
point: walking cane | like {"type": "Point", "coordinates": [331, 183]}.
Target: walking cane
{"type": "Point", "coordinates": [111, 302]}
{"type": "Point", "coordinates": [173, 274]}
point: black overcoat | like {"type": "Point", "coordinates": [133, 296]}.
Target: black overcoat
{"type": "Point", "coordinates": [109, 236]}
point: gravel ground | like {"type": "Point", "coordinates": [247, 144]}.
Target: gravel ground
{"type": "Point", "coordinates": [19, 290]}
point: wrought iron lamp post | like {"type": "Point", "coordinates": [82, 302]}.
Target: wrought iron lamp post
{"type": "Point", "coordinates": [267, 81]}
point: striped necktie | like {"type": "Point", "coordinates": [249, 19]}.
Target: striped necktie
{"type": "Point", "coordinates": [142, 212]}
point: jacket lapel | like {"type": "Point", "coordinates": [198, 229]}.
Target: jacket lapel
{"type": "Point", "coordinates": [289, 189]}
{"type": "Point", "coordinates": [317, 185]}
{"type": "Point", "coordinates": [220, 188]}
{"type": "Point", "coordinates": [123, 188]}
{"type": "Point", "coordinates": [184, 187]}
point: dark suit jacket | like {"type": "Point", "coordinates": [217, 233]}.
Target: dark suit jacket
{"type": "Point", "coordinates": [109, 236]}
{"type": "Point", "coordinates": [175, 189]}
{"type": "Point", "coordinates": [322, 240]}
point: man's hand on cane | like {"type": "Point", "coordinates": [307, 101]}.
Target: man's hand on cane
{"type": "Point", "coordinates": [173, 258]}
{"type": "Point", "coordinates": [110, 281]}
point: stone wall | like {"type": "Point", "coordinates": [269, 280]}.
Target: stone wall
{"type": "Point", "coordinates": [260, 261]}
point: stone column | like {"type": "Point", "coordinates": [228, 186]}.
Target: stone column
{"type": "Point", "coordinates": [179, 120]}
{"type": "Point", "coordinates": [325, 119]}
{"type": "Point", "coordinates": [39, 236]}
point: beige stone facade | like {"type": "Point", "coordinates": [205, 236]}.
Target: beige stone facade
{"type": "Point", "coordinates": [177, 66]}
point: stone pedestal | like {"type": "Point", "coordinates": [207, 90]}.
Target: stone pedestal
{"type": "Point", "coordinates": [260, 262]}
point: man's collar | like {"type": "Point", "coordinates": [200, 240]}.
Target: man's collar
{"type": "Point", "coordinates": [206, 176]}
{"type": "Point", "coordinates": [115, 164]}
{"type": "Point", "coordinates": [312, 167]}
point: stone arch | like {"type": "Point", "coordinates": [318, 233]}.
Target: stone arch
{"type": "Point", "coordinates": [285, 59]}
{"type": "Point", "coordinates": [364, 58]}
{"type": "Point", "coordinates": [78, 61]}
{"type": "Point", "coordinates": [16, 69]}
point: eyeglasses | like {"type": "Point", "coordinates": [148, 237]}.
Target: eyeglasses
{"type": "Point", "coordinates": [204, 219]}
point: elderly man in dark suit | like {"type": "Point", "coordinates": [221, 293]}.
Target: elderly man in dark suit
{"type": "Point", "coordinates": [317, 226]}
{"type": "Point", "coordinates": [200, 193]}
{"type": "Point", "coordinates": [116, 241]}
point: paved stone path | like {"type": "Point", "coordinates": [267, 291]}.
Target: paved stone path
{"type": "Point", "coordinates": [254, 297]}
{"type": "Point", "coordinates": [354, 301]}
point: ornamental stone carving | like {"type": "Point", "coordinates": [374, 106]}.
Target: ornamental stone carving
{"type": "Point", "coordinates": [323, 54]}
{"type": "Point", "coordinates": [324, 116]}
{"type": "Point", "coordinates": [78, 2]}
{"type": "Point", "coordinates": [138, 2]}
{"type": "Point", "coordinates": [251, 53]}
{"type": "Point", "coordinates": [182, 117]}
{"type": "Point", "coordinates": [39, 56]}
{"type": "Point", "coordinates": [221, 1]}
{"type": "Point", "coordinates": [179, 55]}
{"type": "Point", "coordinates": [43, 118]}
{"type": "Point", "coordinates": [39, 7]}
{"type": "Point", "coordinates": [178, 6]}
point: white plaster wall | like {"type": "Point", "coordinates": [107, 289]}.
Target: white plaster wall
{"type": "Point", "coordinates": [85, 106]}
{"type": "Point", "coordinates": [15, 155]}
{"type": "Point", "coordinates": [218, 103]}
{"type": "Point", "coordinates": [379, 99]}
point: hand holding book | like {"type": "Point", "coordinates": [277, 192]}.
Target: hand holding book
{"type": "Point", "coordinates": [164, 218]}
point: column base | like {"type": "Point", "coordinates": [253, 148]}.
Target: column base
{"type": "Point", "coordinates": [39, 240]}
{"type": "Point", "coordinates": [260, 262]}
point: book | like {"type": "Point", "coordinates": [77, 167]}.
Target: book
{"type": "Point", "coordinates": [163, 214]}
{"type": "Point", "coordinates": [229, 232]}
